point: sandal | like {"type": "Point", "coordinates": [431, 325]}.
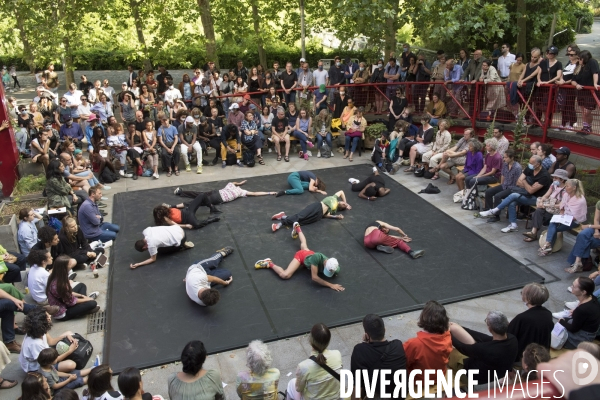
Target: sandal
{"type": "Point", "coordinates": [300, 154]}
{"type": "Point", "coordinates": [169, 174]}
{"type": "Point", "coordinates": [410, 169]}
{"type": "Point", "coordinates": [528, 239]}
{"type": "Point", "coordinates": [345, 156]}
{"type": "Point", "coordinates": [574, 268]}
{"type": "Point", "coordinates": [177, 173]}
{"type": "Point", "coordinates": [260, 161]}
{"type": "Point", "coordinates": [286, 158]}
{"type": "Point", "coordinates": [451, 181]}
{"type": "Point", "coordinates": [544, 251]}
{"type": "Point", "coordinates": [278, 157]}
{"type": "Point", "coordinates": [11, 384]}
{"type": "Point", "coordinates": [530, 235]}
{"type": "Point", "coordinates": [350, 158]}
{"type": "Point", "coordinates": [434, 177]}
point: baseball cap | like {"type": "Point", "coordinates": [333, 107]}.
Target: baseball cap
{"type": "Point", "coordinates": [564, 150]}
{"type": "Point", "coordinates": [247, 97]}
{"type": "Point", "coordinates": [552, 50]}
{"type": "Point", "coordinates": [332, 267]}
{"type": "Point", "coordinates": [189, 119]}
{"type": "Point", "coordinates": [234, 106]}
{"type": "Point", "coordinates": [77, 151]}
{"type": "Point", "coordinates": [322, 88]}
{"type": "Point", "coordinates": [303, 59]}
{"type": "Point", "coordinates": [252, 106]}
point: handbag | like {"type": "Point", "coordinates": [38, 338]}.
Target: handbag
{"type": "Point", "coordinates": [558, 337]}
{"type": "Point", "coordinates": [82, 353]}
{"type": "Point", "coordinates": [420, 172]}
{"type": "Point", "coordinates": [471, 199]}
{"type": "Point", "coordinates": [458, 196]}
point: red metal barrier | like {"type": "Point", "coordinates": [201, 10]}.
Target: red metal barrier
{"type": "Point", "coordinates": [9, 155]}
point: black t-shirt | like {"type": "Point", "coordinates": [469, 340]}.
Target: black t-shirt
{"type": "Point", "coordinates": [140, 126]}
{"type": "Point", "coordinates": [372, 191]}
{"type": "Point", "coordinates": [377, 356]}
{"type": "Point", "coordinates": [586, 317]}
{"type": "Point", "coordinates": [289, 79]}
{"type": "Point", "coordinates": [585, 77]}
{"type": "Point", "coordinates": [306, 176]}
{"type": "Point", "coordinates": [279, 124]}
{"type": "Point", "coordinates": [549, 73]}
{"type": "Point", "coordinates": [542, 177]}
{"type": "Point", "coordinates": [406, 59]}
{"type": "Point", "coordinates": [532, 326]}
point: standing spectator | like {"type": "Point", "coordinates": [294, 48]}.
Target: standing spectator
{"type": "Point", "coordinates": [255, 82]}
{"type": "Point", "coordinates": [27, 233]}
{"type": "Point", "coordinates": [109, 91]}
{"type": "Point", "coordinates": [313, 381]}
{"type": "Point", "coordinates": [432, 347]}
{"type": "Point", "coordinates": [421, 71]}
{"type": "Point", "coordinates": [586, 76]}
{"type": "Point", "coordinates": [241, 71]}
{"type": "Point", "coordinates": [489, 355]}
{"type": "Point", "coordinates": [195, 382]}
{"type": "Point", "coordinates": [361, 76]}
{"type": "Point", "coordinates": [549, 72]}
{"type": "Point", "coordinates": [91, 221]}
{"type": "Point", "coordinates": [392, 75]}
{"type": "Point", "coordinates": [534, 325]}
{"type": "Point", "coordinates": [471, 74]}
{"type": "Point", "coordinates": [505, 60]}
{"type": "Point", "coordinates": [320, 76]}
{"type": "Point", "coordinates": [350, 67]}
{"type": "Point", "coordinates": [73, 97]}
{"type": "Point", "coordinates": [336, 77]}
{"type": "Point", "coordinates": [405, 56]}
{"type": "Point", "coordinates": [566, 107]}
{"type": "Point", "coordinates": [375, 352]}
{"type": "Point", "coordinates": [13, 74]}
{"type": "Point", "coordinates": [50, 80]}
{"type": "Point", "coordinates": [495, 55]}
{"type": "Point", "coordinates": [168, 138]}
{"type": "Point", "coordinates": [495, 96]}
{"type": "Point", "coordinates": [378, 77]}
{"type": "Point", "coordinates": [305, 79]}
{"type": "Point", "coordinates": [131, 75]}
{"type": "Point", "coordinates": [261, 380]}
{"type": "Point", "coordinates": [161, 86]}
{"type": "Point", "coordinates": [289, 81]}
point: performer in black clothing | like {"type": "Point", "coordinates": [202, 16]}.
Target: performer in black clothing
{"type": "Point", "coordinates": [215, 197]}
{"type": "Point", "coordinates": [371, 187]}
{"type": "Point", "coordinates": [183, 214]}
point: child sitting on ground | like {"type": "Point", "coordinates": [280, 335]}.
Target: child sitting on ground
{"type": "Point", "coordinates": [58, 380]}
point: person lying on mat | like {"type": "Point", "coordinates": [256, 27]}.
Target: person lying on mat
{"type": "Point", "coordinates": [304, 180]}
{"type": "Point", "coordinates": [326, 208]}
{"type": "Point", "coordinates": [370, 188]}
{"type": "Point", "coordinates": [161, 240]}
{"type": "Point", "coordinates": [317, 263]}
{"type": "Point", "coordinates": [213, 198]}
{"type": "Point", "coordinates": [183, 214]}
{"type": "Point", "coordinates": [206, 273]}
{"type": "Point", "coordinates": [377, 237]}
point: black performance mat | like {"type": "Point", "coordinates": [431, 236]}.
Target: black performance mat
{"type": "Point", "coordinates": [150, 317]}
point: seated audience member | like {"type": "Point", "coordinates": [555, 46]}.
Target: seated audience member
{"type": "Point", "coordinates": [74, 244]}
{"type": "Point", "coordinates": [58, 191]}
{"type": "Point", "coordinates": [195, 382]}
{"type": "Point", "coordinates": [435, 109]}
{"type": "Point", "coordinates": [377, 237]}
{"type": "Point", "coordinates": [492, 166]}
{"type": "Point", "coordinates": [91, 221]}
{"type": "Point", "coordinates": [544, 151]}
{"type": "Point", "coordinates": [587, 239]}
{"type": "Point", "coordinates": [533, 183]}
{"type": "Point", "coordinates": [573, 204]}
{"type": "Point", "coordinates": [5, 359]}
{"type": "Point", "coordinates": [35, 387]}
{"type": "Point", "coordinates": [322, 131]}
{"type": "Point", "coordinates": [37, 338]}
{"type": "Point", "coordinates": [455, 156]}
{"type": "Point", "coordinates": [562, 162]}
{"type": "Point", "coordinates": [488, 354]}
{"type": "Point", "coordinates": [168, 139]}
{"type": "Point", "coordinates": [99, 384]}
{"type": "Point", "coordinates": [312, 381]}
{"type": "Point", "coordinates": [511, 171]}
{"type": "Point", "coordinates": [71, 301]}
{"type": "Point", "coordinates": [380, 150]}
{"type": "Point", "coordinates": [376, 353]}
{"type": "Point", "coordinates": [131, 385]}
{"type": "Point", "coordinates": [48, 242]}
{"type": "Point", "coordinates": [532, 356]}
{"type": "Point", "coordinates": [252, 137]}
{"type": "Point", "coordinates": [503, 143]}
{"type": "Point", "coordinates": [58, 380]}
{"type": "Point", "coordinates": [188, 137]}
{"type": "Point", "coordinates": [231, 143]}
{"type": "Point", "coordinates": [27, 233]}
{"type": "Point", "coordinates": [355, 131]}
{"type": "Point", "coordinates": [423, 144]}
{"type": "Point", "coordinates": [260, 381]}
{"type": "Point", "coordinates": [15, 263]}
{"type": "Point", "coordinates": [548, 204]}
{"type": "Point", "coordinates": [371, 187]}
{"type": "Point", "coordinates": [433, 345]}
{"type": "Point", "coordinates": [535, 324]}
{"type": "Point", "coordinates": [161, 240]}
{"type": "Point", "coordinates": [473, 164]}
{"type": "Point", "coordinates": [204, 274]}
{"type": "Point", "coordinates": [440, 144]}
{"type": "Point", "coordinates": [9, 305]}
{"type": "Point", "coordinates": [302, 130]}
{"type": "Point", "coordinates": [37, 279]}
{"type": "Point", "coordinates": [584, 322]}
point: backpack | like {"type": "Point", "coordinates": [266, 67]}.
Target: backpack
{"type": "Point", "coordinates": [107, 176]}
{"type": "Point", "coordinates": [55, 224]}
{"type": "Point", "coordinates": [471, 199]}
{"type": "Point", "coordinates": [325, 151]}
{"type": "Point", "coordinates": [248, 158]}
{"type": "Point", "coordinates": [83, 353]}
{"type": "Point", "coordinates": [419, 172]}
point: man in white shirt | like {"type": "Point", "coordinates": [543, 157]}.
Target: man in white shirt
{"type": "Point", "coordinates": [206, 273]}
{"type": "Point", "coordinates": [109, 91]}
{"type": "Point", "coordinates": [163, 240]}
{"type": "Point", "coordinates": [73, 97]}
{"type": "Point", "coordinates": [505, 61]}
{"type": "Point", "coordinates": [320, 76]}
{"type": "Point", "coordinates": [172, 94]}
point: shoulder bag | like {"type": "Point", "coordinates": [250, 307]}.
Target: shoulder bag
{"type": "Point", "coordinates": [326, 368]}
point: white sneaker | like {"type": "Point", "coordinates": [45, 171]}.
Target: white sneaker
{"type": "Point", "coordinates": [270, 150]}
{"type": "Point", "coordinates": [155, 175]}
{"type": "Point", "coordinates": [562, 314]}
{"type": "Point", "coordinates": [510, 228]}
{"type": "Point", "coordinates": [487, 213]}
{"type": "Point", "coordinates": [571, 305]}
{"type": "Point", "coordinates": [319, 154]}
{"type": "Point", "coordinates": [332, 154]}
{"type": "Point", "coordinates": [309, 153]}
{"type": "Point", "coordinates": [374, 169]}
{"type": "Point", "coordinates": [106, 245]}
{"type": "Point", "coordinates": [353, 181]}
{"type": "Point", "coordinates": [94, 295]}
{"type": "Point", "coordinates": [124, 174]}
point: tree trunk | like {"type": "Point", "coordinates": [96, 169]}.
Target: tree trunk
{"type": "Point", "coordinates": [522, 26]}
{"type": "Point", "coordinates": [68, 62]}
{"type": "Point", "coordinates": [390, 30]}
{"type": "Point", "coordinates": [27, 53]}
{"type": "Point", "coordinates": [262, 55]}
{"type": "Point", "coordinates": [302, 30]}
{"type": "Point", "coordinates": [552, 30]}
{"type": "Point", "coordinates": [135, 13]}
{"type": "Point", "coordinates": [209, 31]}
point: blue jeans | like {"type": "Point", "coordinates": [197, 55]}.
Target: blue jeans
{"type": "Point", "coordinates": [289, 98]}
{"type": "Point", "coordinates": [597, 283]}
{"type": "Point", "coordinates": [109, 232]}
{"type": "Point", "coordinates": [512, 201]}
{"type": "Point", "coordinates": [327, 139]}
{"type": "Point", "coordinates": [433, 122]}
{"type": "Point", "coordinates": [7, 317]}
{"type": "Point", "coordinates": [354, 143]}
{"type": "Point", "coordinates": [21, 139]}
{"type": "Point", "coordinates": [211, 266]}
{"type": "Point", "coordinates": [14, 269]}
{"type": "Point", "coordinates": [302, 139]}
{"type": "Point", "coordinates": [584, 242]}
{"type": "Point", "coordinates": [93, 181]}
{"type": "Point", "coordinates": [554, 228]}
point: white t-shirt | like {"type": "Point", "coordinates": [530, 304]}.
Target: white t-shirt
{"type": "Point", "coordinates": [320, 77]}
{"type": "Point", "coordinates": [196, 279]}
{"type": "Point", "coordinates": [30, 350]}
{"type": "Point", "coordinates": [84, 110]}
{"type": "Point", "coordinates": [109, 92]}
{"type": "Point", "coordinates": [172, 94]}
{"type": "Point", "coordinates": [162, 236]}
{"type": "Point", "coordinates": [73, 99]}
{"type": "Point", "coordinates": [37, 281]}
{"type": "Point", "coordinates": [504, 64]}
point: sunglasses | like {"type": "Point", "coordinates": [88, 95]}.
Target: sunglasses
{"type": "Point", "coordinates": [83, 98]}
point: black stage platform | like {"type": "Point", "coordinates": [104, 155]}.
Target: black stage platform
{"type": "Point", "coordinates": [150, 317]}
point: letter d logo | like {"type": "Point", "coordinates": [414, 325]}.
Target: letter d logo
{"type": "Point", "coordinates": [584, 364]}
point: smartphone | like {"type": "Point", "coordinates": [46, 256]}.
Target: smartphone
{"type": "Point", "coordinates": [101, 261]}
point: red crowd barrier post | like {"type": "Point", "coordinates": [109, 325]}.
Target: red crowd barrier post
{"type": "Point", "coordinates": [9, 156]}
{"type": "Point", "coordinates": [549, 110]}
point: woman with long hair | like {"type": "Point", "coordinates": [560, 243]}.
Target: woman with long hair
{"type": "Point", "coordinates": [302, 131]}
{"type": "Point", "coordinates": [71, 301]}
{"type": "Point", "coordinates": [322, 131]}
{"type": "Point", "coordinates": [226, 88]}
{"type": "Point", "coordinates": [255, 83]}
{"type": "Point", "coordinates": [586, 75]}
{"type": "Point", "coordinates": [150, 138]}
{"type": "Point", "coordinates": [496, 98]}
{"type": "Point", "coordinates": [74, 244]}
{"type": "Point", "coordinates": [58, 191]}
{"type": "Point", "coordinates": [240, 87]}
{"type": "Point", "coordinates": [147, 101]}
{"type": "Point", "coordinates": [99, 385]}
{"type": "Point", "coordinates": [35, 387]}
